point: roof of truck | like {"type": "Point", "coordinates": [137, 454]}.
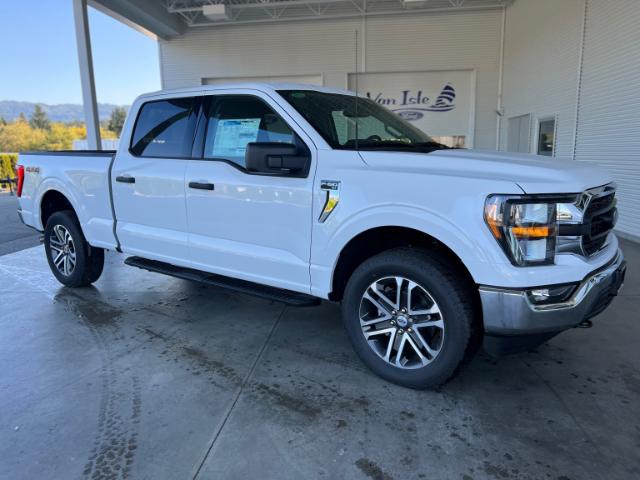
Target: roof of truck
{"type": "Point", "coordinates": [262, 87]}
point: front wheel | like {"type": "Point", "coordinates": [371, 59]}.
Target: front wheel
{"type": "Point", "coordinates": [410, 317]}
{"type": "Point", "coordinates": [71, 259]}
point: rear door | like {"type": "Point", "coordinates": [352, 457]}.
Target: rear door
{"type": "Point", "coordinates": [241, 224]}
{"type": "Point", "coordinates": [148, 180]}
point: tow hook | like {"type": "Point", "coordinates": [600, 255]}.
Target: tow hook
{"type": "Point", "coordinates": [585, 324]}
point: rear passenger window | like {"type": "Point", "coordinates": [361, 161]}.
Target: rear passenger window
{"type": "Point", "coordinates": [235, 120]}
{"type": "Point", "coordinates": [164, 128]}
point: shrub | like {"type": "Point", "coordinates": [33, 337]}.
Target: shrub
{"type": "Point", "coordinates": [8, 165]}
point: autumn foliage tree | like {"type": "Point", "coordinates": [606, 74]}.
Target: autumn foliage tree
{"type": "Point", "coordinates": [20, 135]}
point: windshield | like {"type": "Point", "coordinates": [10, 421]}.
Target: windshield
{"type": "Point", "coordinates": [362, 126]}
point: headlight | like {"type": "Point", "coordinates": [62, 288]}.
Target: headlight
{"type": "Point", "coordinates": [526, 227]}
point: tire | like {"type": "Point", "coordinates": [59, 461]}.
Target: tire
{"type": "Point", "coordinates": [448, 330]}
{"type": "Point", "coordinates": [83, 263]}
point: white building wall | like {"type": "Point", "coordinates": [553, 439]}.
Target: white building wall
{"type": "Point", "coordinates": [609, 101]}
{"type": "Point", "coordinates": [421, 42]}
{"type": "Point", "coordinates": [541, 61]}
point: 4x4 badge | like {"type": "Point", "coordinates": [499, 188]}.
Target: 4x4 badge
{"type": "Point", "coordinates": [332, 189]}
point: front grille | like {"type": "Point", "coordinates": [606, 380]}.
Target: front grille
{"type": "Point", "coordinates": [598, 220]}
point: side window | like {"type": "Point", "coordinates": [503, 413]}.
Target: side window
{"type": "Point", "coordinates": [235, 120]}
{"type": "Point", "coordinates": [164, 129]}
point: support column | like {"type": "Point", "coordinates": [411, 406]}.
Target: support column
{"type": "Point", "coordinates": [87, 80]}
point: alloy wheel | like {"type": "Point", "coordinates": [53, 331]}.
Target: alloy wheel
{"type": "Point", "coordinates": [401, 322]}
{"type": "Point", "coordinates": [63, 250]}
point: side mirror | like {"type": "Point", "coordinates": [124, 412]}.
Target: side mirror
{"type": "Point", "coordinates": [275, 158]}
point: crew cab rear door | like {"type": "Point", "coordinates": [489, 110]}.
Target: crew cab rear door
{"type": "Point", "coordinates": [148, 179]}
{"type": "Point", "coordinates": [244, 224]}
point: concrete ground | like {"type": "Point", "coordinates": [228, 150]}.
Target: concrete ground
{"type": "Point", "coordinates": [14, 236]}
{"type": "Point", "coordinates": [150, 377]}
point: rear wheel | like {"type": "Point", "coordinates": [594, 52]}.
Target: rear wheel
{"type": "Point", "coordinates": [71, 259]}
{"type": "Point", "coordinates": [410, 317]}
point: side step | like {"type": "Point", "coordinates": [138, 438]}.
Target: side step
{"type": "Point", "coordinates": [263, 291]}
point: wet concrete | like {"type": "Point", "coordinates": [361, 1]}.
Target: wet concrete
{"type": "Point", "coordinates": [145, 376]}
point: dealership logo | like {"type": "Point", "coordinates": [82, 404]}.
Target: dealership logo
{"type": "Point", "coordinates": [412, 106]}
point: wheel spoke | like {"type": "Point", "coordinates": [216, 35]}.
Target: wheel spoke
{"type": "Point", "coordinates": [59, 234]}
{"type": "Point", "coordinates": [373, 333]}
{"type": "Point", "coordinates": [375, 302]}
{"type": "Point", "coordinates": [58, 260]}
{"type": "Point", "coordinates": [426, 311]}
{"type": "Point", "coordinates": [403, 341]}
{"type": "Point", "coordinates": [416, 349]}
{"type": "Point", "coordinates": [383, 297]}
{"type": "Point", "coordinates": [426, 346]}
{"type": "Point", "coordinates": [430, 323]}
{"type": "Point", "coordinates": [373, 321]}
{"type": "Point", "coordinates": [392, 340]}
{"type": "Point", "coordinates": [399, 281]}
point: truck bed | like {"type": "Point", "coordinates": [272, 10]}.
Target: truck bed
{"type": "Point", "coordinates": [83, 177]}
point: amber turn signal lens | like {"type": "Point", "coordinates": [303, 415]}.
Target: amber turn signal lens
{"type": "Point", "coordinates": [533, 232]}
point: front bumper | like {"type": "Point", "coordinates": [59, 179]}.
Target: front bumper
{"type": "Point", "coordinates": [512, 323]}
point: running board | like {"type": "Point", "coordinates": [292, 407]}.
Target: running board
{"type": "Point", "coordinates": [263, 291]}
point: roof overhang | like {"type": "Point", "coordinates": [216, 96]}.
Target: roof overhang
{"type": "Point", "coordinates": [170, 18]}
{"type": "Point", "coordinates": [147, 16]}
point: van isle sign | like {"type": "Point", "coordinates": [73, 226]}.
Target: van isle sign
{"type": "Point", "coordinates": [411, 104]}
{"type": "Point", "coordinates": [440, 103]}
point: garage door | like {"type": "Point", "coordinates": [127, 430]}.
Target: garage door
{"type": "Point", "coordinates": [311, 79]}
{"type": "Point", "coordinates": [440, 103]}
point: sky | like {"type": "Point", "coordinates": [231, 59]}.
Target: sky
{"type": "Point", "coordinates": [39, 60]}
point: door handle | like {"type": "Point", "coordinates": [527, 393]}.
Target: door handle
{"type": "Point", "coordinates": [201, 185]}
{"type": "Point", "coordinates": [125, 179]}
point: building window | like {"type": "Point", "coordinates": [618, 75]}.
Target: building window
{"type": "Point", "coordinates": [519, 134]}
{"type": "Point", "coordinates": [546, 136]}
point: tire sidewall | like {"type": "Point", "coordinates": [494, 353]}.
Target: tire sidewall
{"type": "Point", "coordinates": [457, 324]}
{"type": "Point", "coordinates": [67, 220]}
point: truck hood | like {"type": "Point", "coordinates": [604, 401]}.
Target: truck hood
{"type": "Point", "coordinates": [532, 173]}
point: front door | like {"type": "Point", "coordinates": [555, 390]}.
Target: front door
{"type": "Point", "coordinates": [148, 181]}
{"type": "Point", "coordinates": [242, 224]}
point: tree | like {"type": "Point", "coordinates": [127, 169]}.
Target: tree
{"type": "Point", "coordinates": [3, 122]}
{"type": "Point", "coordinates": [116, 120]}
{"type": "Point", "coordinates": [18, 136]}
{"type": "Point", "coordinates": [39, 119]}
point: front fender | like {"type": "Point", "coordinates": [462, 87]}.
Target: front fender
{"type": "Point", "coordinates": [464, 233]}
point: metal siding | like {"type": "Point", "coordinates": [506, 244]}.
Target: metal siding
{"type": "Point", "coordinates": [541, 57]}
{"type": "Point", "coordinates": [436, 41]}
{"type": "Point", "coordinates": [609, 110]}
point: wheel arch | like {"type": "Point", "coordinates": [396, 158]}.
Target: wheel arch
{"type": "Point", "coordinates": [375, 240]}
{"type": "Point", "coordinates": [53, 201]}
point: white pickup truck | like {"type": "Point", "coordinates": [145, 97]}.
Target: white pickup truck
{"type": "Point", "coordinates": [299, 193]}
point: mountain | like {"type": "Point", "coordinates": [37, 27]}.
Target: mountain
{"type": "Point", "coordinates": [65, 112]}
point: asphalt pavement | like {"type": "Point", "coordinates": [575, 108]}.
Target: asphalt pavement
{"type": "Point", "coordinates": [14, 235]}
